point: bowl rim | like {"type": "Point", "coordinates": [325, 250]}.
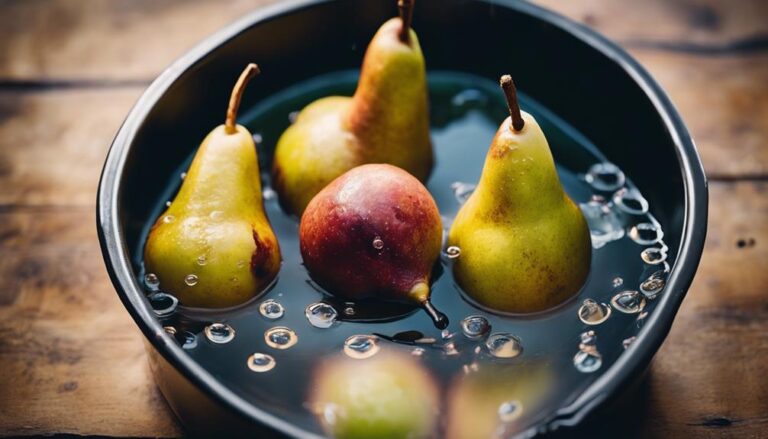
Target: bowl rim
{"type": "Point", "coordinates": [622, 372]}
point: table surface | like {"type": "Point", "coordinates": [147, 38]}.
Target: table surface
{"type": "Point", "coordinates": [71, 360]}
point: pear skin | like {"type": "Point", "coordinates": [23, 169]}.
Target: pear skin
{"type": "Point", "coordinates": [214, 247]}
{"type": "Point", "coordinates": [374, 232]}
{"type": "Point", "coordinates": [525, 245]}
{"type": "Point", "coordinates": [386, 121]}
{"type": "Point", "coordinates": [387, 396]}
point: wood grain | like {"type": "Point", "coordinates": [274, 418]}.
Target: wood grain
{"type": "Point", "coordinates": [72, 361]}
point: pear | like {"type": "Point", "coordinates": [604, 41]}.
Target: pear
{"type": "Point", "coordinates": [374, 232]}
{"type": "Point", "coordinates": [525, 245]}
{"type": "Point", "coordinates": [387, 396]}
{"type": "Point", "coordinates": [214, 247]}
{"type": "Point", "coordinates": [386, 121]}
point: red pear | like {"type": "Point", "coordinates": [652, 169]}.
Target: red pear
{"type": "Point", "coordinates": [374, 232]}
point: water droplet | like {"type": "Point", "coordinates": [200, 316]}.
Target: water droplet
{"type": "Point", "coordinates": [646, 233]}
{"type": "Point", "coordinates": [183, 175]}
{"type": "Point", "coordinates": [652, 286]}
{"type": "Point", "coordinates": [628, 342]}
{"type": "Point", "coordinates": [219, 333]}
{"type": "Point", "coordinates": [469, 98]}
{"type": "Point", "coordinates": [605, 177]}
{"type": "Point", "coordinates": [617, 282]}
{"type": "Point", "coordinates": [588, 340]}
{"type": "Point", "coordinates": [202, 260]}
{"type": "Point", "coordinates": [462, 191]}
{"type": "Point", "coordinates": [475, 327]}
{"type": "Point", "coordinates": [349, 311]}
{"type": "Point", "coordinates": [378, 244]}
{"type": "Point", "coordinates": [417, 352]}
{"type": "Point", "coordinates": [271, 309]}
{"type": "Point", "coordinates": [190, 280]}
{"type": "Point", "coordinates": [630, 201]}
{"type": "Point", "coordinates": [268, 194]}
{"type": "Point", "coordinates": [604, 224]}
{"type": "Point", "coordinates": [321, 315]}
{"type": "Point", "coordinates": [452, 252]}
{"type": "Point", "coordinates": [167, 204]}
{"type": "Point", "coordinates": [450, 349]}
{"type": "Point", "coordinates": [151, 281]}
{"type": "Point", "coordinates": [292, 116]}
{"type": "Point", "coordinates": [361, 346]}
{"type": "Point", "coordinates": [216, 214]}
{"type": "Point", "coordinates": [628, 302]}
{"type": "Point", "coordinates": [169, 219]}
{"type": "Point", "coordinates": [593, 313]}
{"type": "Point", "coordinates": [587, 361]}
{"type": "Point", "coordinates": [503, 345]}
{"type": "Point", "coordinates": [163, 304]}
{"type": "Point", "coordinates": [280, 337]}
{"type": "Point", "coordinates": [257, 138]}
{"type": "Point", "coordinates": [653, 255]}
{"type": "Point", "coordinates": [261, 362]}
{"type": "Point", "coordinates": [509, 411]}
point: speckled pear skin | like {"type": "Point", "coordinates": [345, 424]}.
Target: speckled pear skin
{"type": "Point", "coordinates": [218, 214]}
{"type": "Point", "coordinates": [387, 396]}
{"type": "Point", "coordinates": [339, 226]}
{"type": "Point", "coordinates": [386, 121]}
{"type": "Point", "coordinates": [525, 245]}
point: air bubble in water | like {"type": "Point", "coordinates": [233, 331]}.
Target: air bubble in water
{"type": "Point", "coordinates": [257, 138]}
{"type": "Point", "coordinates": [321, 315]}
{"type": "Point", "coordinates": [170, 329]}
{"type": "Point", "coordinates": [261, 362]}
{"type": "Point", "coordinates": [652, 286]}
{"type": "Point", "coordinates": [604, 224]}
{"type": "Point", "coordinates": [292, 116]}
{"type": "Point", "coordinates": [268, 194]}
{"type": "Point", "coordinates": [183, 175]}
{"type": "Point", "coordinates": [450, 349]}
{"type": "Point", "coordinates": [593, 313]}
{"type": "Point", "coordinates": [349, 311]}
{"type": "Point", "coordinates": [151, 281]}
{"type": "Point", "coordinates": [163, 304]}
{"type": "Point", "coordinates": [628, 342]}
{"type": "Point", "coordinates": [191, 280]}
{"type": "Point", "coordinates": [280, 337]}
{"type": "Point", "coordinates": [361, 346]}
{"type": "Point", "coordinates": [605, 177]}
{"type": "Point", "coordinates": [646, 233]}
{"type": "Point", "coordinates": [189, 341]}
{"type": "Point", "coordinates": [470, 97]}
{"type": "Point", "coordinates": [475, 327]}
{"type": "Point", "coordinates": [587, 361]}
{"type": "Point", "coordinates": [378, 243]}
{"type": "Point", "coordinates": [462, 191]}
{"type": "Point", "coordinates": [219, 333]}
{"type": "Point", "coordinates": [202, 260]}
{"type": "Point", "coordinates": [216, 214]}
{"type": "Point", "coordinates": [503, 345]}
{"type": "Point", "coordinates": [628, 302]}
{"type": "Point", "coordinates": [653, 255]}
{"type": "Point", "coordinates": [588, 340]}
{"type": "Point", "coordinates": [445, 334]}
{"type": "Point", "coordinates": [169, 219]}
{"type": "Point", "coordinates": [509, 411]}
{"type": "Point", "coordinates": [417, 352]}
{"type": "Point", "coordinates": [617, 282]}
{"type": "Point", "coordinates": [271, 309]}
{"type": "Point", "coordinates": [167, 204]}
{"type": "Point", "coordinates": [452, 252]}
{"type": "Point", "coordinates": [630, 201]}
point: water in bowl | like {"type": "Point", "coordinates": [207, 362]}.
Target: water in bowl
{"type": "Point", "coordinates": [465, 113]}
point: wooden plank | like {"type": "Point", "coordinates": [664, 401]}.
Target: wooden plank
{"type": "Point", "coordinates": [136, 39]}
{"type": "Point", "coordinates": [72, 356]}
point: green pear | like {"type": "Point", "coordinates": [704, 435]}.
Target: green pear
{"type": "Point", "coordinates": [214, 247]}
{"type": "Point", "coordinates": [388, 396]}
{"type": "Point", "coordinates": [525, 245]}
{"type": "Point", "coordinates": [386, 121]}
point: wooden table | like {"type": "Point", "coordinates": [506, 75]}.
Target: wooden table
{"type": "Point", "coordinates": [71, 360]}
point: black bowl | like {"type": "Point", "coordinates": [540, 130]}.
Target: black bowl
{"type": "Point", "coordinates": [585, 79]}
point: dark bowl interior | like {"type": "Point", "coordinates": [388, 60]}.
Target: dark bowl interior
{"type": "Point", "coordinates": [577, 74]}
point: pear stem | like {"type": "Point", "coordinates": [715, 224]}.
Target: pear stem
{"type": "Point", "coordinates": [440, 319]}
{"type": "Point", "coordinates": [406, 16]}
{"type": "Point", "coordinates": [250, 71]}
{"type": "Point", "coordinates": [514, 108]}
